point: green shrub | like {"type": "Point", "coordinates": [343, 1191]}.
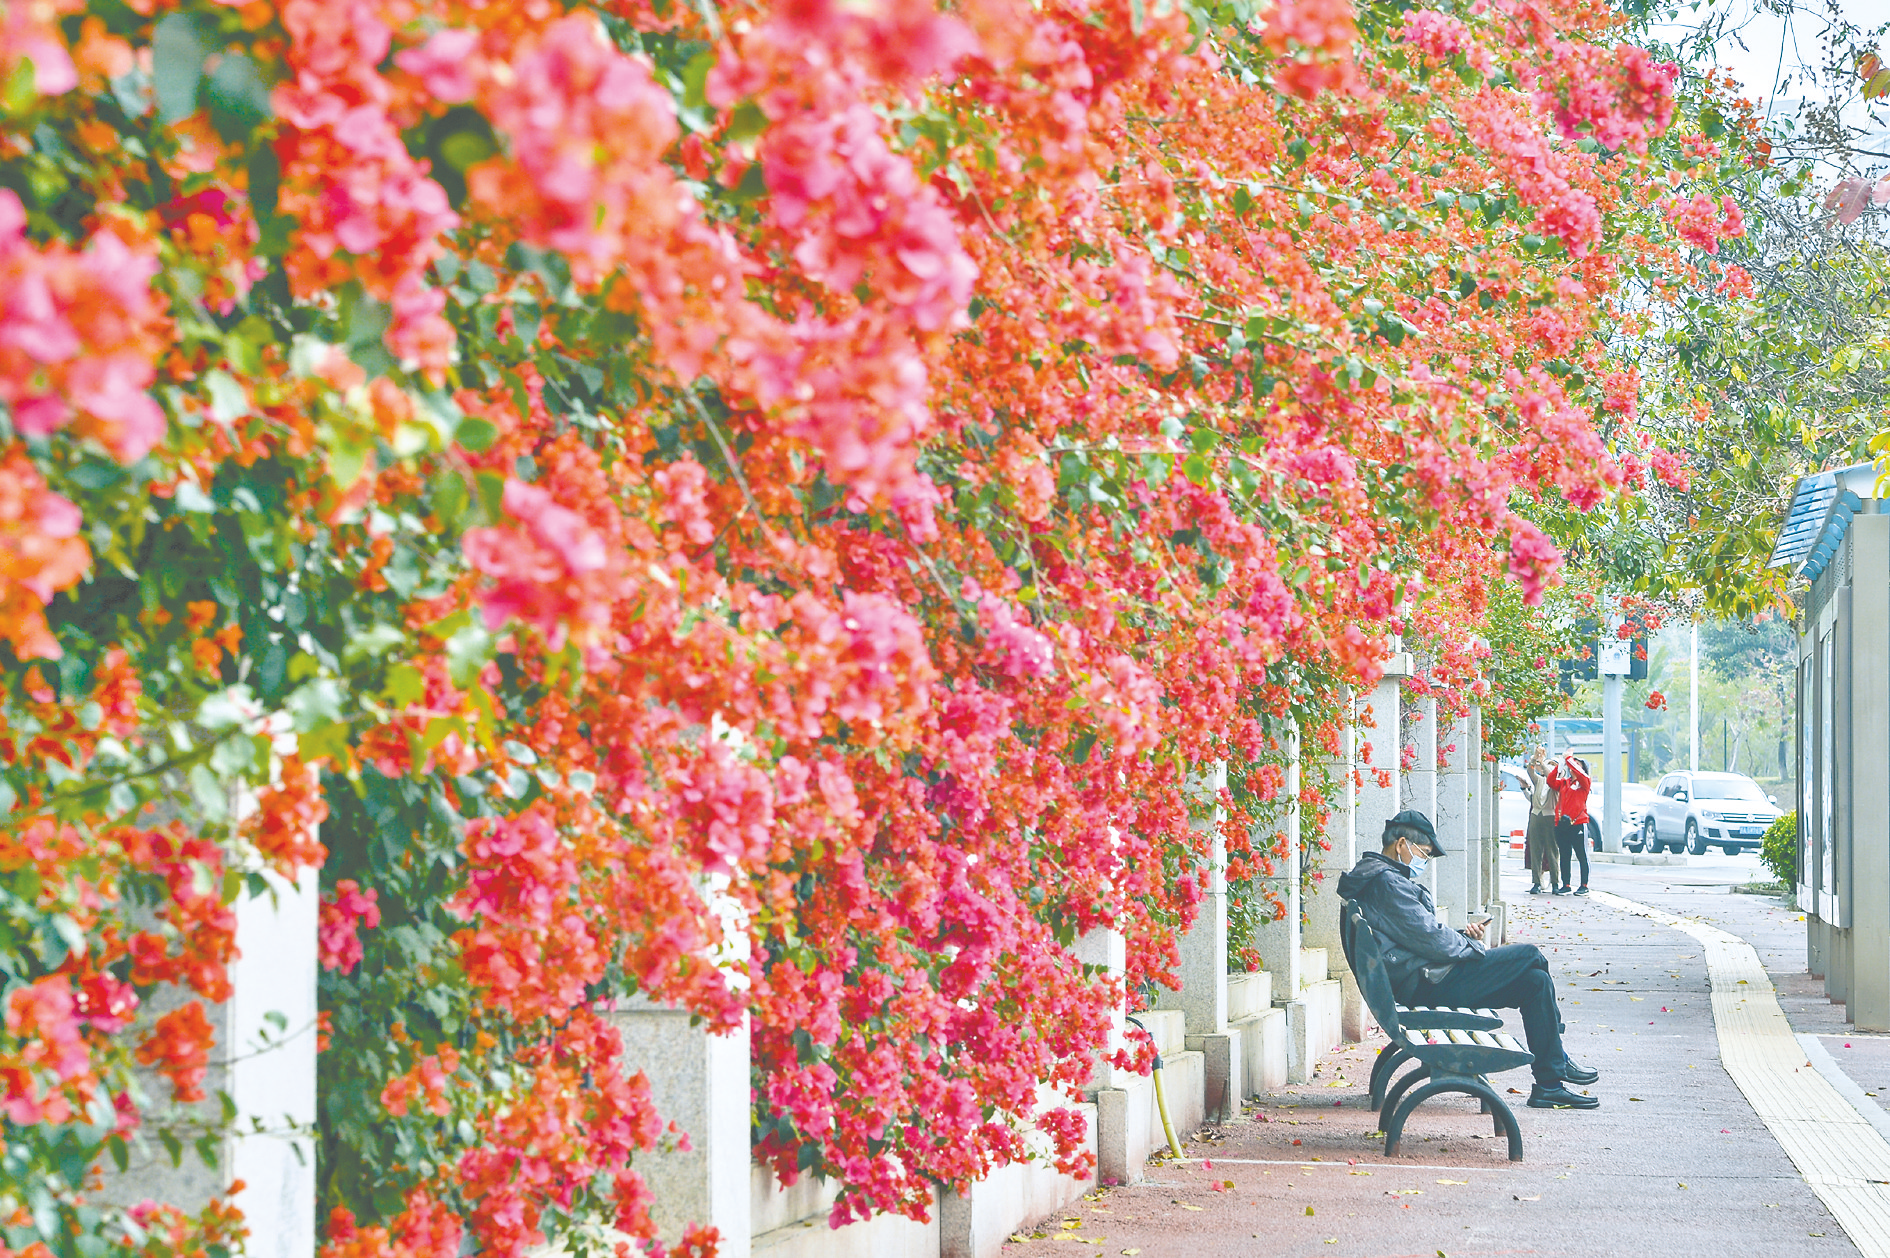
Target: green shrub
{"type": "Point", "coordinates": [1778, 852]}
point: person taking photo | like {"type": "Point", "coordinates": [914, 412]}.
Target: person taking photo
{"type": "Point", "coordinates": [1570, 781]}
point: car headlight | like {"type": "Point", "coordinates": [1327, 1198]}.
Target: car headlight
{"type": "Point", "coordinates": [1709, 814]}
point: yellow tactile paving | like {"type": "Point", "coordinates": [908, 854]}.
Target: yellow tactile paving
{"type": "Point", "coordinates": [1839, 1154]}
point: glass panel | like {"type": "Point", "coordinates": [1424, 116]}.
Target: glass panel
{"type": "Point", "coordinates": [1827, 760]}
{"type": "Point", "coordinates": [1717, 787]}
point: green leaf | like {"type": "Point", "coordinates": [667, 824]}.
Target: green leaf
{"type": "Point", "coordinates": [313, 704]}
{"type": "Point", "coordinates": [466, 654]}
{"type": "Point", "coordinates": [406, 685]}
{"type": "Point", "coordinates": [746, 122]}
{"type": "Point", "coordinates": [265, 180]}
{"type": "Point", "coordinates": [228, 401]}
{"type": "Point", "coordinates": [451, 498]}
{"type": "Point", "coordinates": [476, 434]}
{"type": "Point", "coordinates": [238, 96]}
{"type": "Point", "coordinates": [177, 54]}
{"type": "Point", "coordinates": [378, 640]}
{"type": "Point", "coordinates": [491, 494]}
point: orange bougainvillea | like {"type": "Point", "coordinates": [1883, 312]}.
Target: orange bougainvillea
{"type": "Point", "coordinates": [765, 509]}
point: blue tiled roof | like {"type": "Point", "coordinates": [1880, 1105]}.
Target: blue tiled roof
{"type": "Point", "coordinates": [1821, 512]}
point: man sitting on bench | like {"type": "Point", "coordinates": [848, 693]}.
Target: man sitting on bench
{"type": "Point", "coordinates": [1433, 965]}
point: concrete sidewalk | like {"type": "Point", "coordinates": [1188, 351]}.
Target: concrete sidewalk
{"type": "Point", "coordinates": [1674, 1163]}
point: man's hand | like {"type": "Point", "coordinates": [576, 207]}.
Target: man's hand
{"type": "Point", "coordinates": [1474, 930]}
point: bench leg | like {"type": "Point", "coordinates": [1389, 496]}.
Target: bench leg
{"type": "Point", "coordinates": [1402, 1106]}
{"type": "Point", "coordinates": [1504, 1116]}
{"type": "Point", "coordinates": [1390, 1057]}
{"type": "Point", "coordinates": [1404, 1085]}
{"type": "Point", "coordinates": [1401, 1109]}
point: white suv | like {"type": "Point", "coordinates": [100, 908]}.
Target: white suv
{"type": "Point", "coordinates": [1725, 810]}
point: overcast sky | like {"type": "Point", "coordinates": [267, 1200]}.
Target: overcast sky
{"type": "Point", "coordinates": [1764, 48]}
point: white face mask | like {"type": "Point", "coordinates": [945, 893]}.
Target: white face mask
{"type": "Point", "coordinates": [1418, 865]}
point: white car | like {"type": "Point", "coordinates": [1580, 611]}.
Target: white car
{"type": "Point", "coordinates": [1512, 804]}
{"type": "Point", "coordinates": [1725, 810]}
{"type": "Point", "coordinates": [1636, 798]}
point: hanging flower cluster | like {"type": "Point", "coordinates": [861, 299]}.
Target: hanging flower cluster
{"type": "Point", "coordinates": [761, 509]}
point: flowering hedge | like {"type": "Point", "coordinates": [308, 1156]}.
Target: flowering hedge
{"type": "Point", "coordinates": [637, 472]}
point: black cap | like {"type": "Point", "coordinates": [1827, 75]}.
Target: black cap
{"type": "Point", "coordinates": [1412, 819]}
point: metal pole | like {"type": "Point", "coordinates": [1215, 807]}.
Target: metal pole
{"type": "Point", "coordinates": [1693, 702]}
{"type": "Point", "coordinates": [1611, 760]}
{"type": "Point", "coordinates": [1611, 685]}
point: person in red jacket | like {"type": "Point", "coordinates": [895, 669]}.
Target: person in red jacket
{"type": "Point", "coordinates": [1570, 782]}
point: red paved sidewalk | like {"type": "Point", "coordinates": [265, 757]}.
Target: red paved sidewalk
{"type": "Point", "coordinates": [1674, 1163]}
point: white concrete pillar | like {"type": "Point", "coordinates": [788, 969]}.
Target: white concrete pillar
{"type": "Point", "coordinates": [1342, 848]}
{"type": "Point", "coordinates": [1105, 949]}
{"type": "Point", "coordinates": [271, 1039]}
{"type": "Point", "coordinates": [1379, 747]}
{"type": "Point", "coordinates": [1456, 871]}
{"type": "Point", "coordinates": [1867, 737]}
{"type": "Point", "coordinates": [1124, 1131]}
{"type": "Point", "coordinates": [263, 1061]}
{"type": "Point", "coordinates": [1280, 940]}
{"type": "Point", "coordinates": [1420, 786]}
{"type": "Point", "coordinates": [1203, 949]}
{"type": "Point", "coordinates": [1478, 774]}
{"type": "Point", "coordinates": [701, 1082]}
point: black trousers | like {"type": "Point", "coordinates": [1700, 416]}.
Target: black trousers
{"type": "Point", "coordinates": [1573, 840]}
{"type": "Point", "coordinates": [1513, 977]}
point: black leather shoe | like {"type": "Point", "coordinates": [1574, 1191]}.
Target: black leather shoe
{"type": "Point", "coordinates": [1560, 1098]}
{"type": "Point", "coordinates": [1571, 1073]}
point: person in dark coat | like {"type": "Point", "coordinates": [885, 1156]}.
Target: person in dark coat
{"type": "Point", "coordinates": [1430, 964]}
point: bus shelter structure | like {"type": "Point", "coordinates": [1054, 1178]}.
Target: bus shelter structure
{"type": "Point", "coordinates": [1837, 537]}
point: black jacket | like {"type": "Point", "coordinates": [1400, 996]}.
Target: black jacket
{"type": "Point", "coordinates": [1400, 911]}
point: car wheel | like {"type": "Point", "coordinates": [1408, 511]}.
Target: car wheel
{"type": "Point", "coordinates": [1731, 849]}
{"type": "Point", "coordinates": [1648, 842]}
{"type": "Point", "coordinates": [1695, 844]}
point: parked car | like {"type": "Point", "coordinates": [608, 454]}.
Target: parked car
{"type": "Point", "coordinates": [1512, 803]}
{"type": "Point", "coordinates": [1636, 798]}
{"type": "Point", "coordinates": [1699, 810]}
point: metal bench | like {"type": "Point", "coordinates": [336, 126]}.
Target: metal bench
{"type": "Point", "coordinates": [1453, 1048]}
{"type": "Point", "coordinates": [1412, 1018]}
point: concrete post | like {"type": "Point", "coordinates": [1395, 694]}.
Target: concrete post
{"type": "Point", "coordinates": [272, 1013]}
{"type": "Point", "coordinates": [1452, 819]}
{"type": "Point", "coordinates": [701, 1081]}
{"type": "Point", "coordinates": [1379, 747]}
{"type": "Point", "coordinates": [1475, 778]}
{"type": "Point", "coordinates": [1203, 968]}
{"type": "Point", "coordinates": [1106, 949]}
{"type": "Point", "coordinates": [264, 1063]}
{"type": "Point", "coordinates": [1420, 786]}
{"type": "Point", "coordinates": [1322, 905]}
{"type": "Point", "coordinates": [1112, 1090]}
{"type": "Point", "coordinates": [1280, 941]}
